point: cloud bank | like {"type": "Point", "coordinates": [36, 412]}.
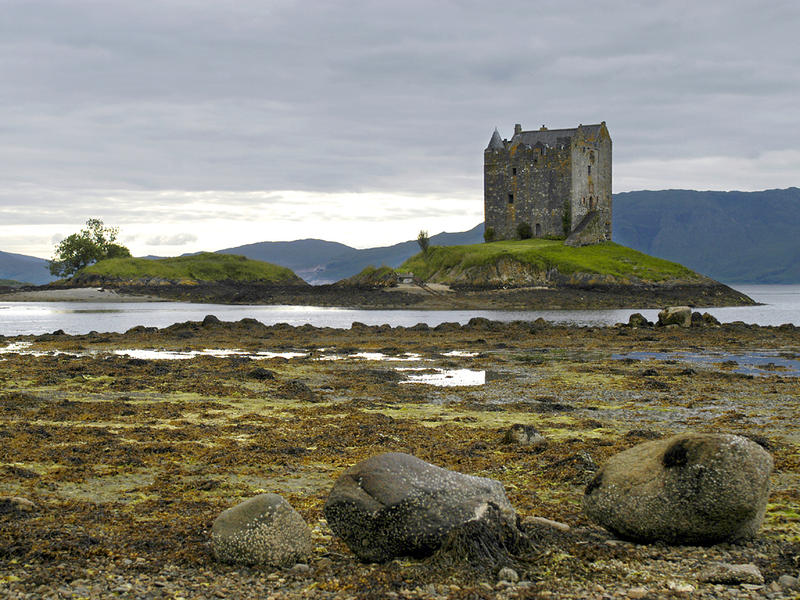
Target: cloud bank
{"type": "Point", "coordinates": [193, 112]}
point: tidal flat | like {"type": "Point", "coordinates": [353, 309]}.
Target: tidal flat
{"type": "Point", "coordinates": [129, 459]}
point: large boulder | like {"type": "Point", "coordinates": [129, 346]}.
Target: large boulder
{"type": "Point", "coordinates": [395, 504]}
{"type": "Point", "coordinates": [264, 530]}
{"type": "Point", "coordinates": [675, 315]}
{"type": "Point", "coordinates": [687, 489]}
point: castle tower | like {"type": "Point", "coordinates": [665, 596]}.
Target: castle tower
{"type": "Point", "coordinates": [555, 181]}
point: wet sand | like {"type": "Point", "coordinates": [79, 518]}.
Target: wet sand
{"type": "Point", "coordinates": [75, 295]}
{"type": "Point", "coordinates": [130, 459]}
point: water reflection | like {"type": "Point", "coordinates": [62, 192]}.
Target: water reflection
{"type": "Point", "coordinates": [446, 377]}
{"type": "Point", "coordinates": [781, 305]}
{"type": "Point", "coordinates": [753, 363]}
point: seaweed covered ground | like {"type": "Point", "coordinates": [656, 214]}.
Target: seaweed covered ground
{"type": "Point", "coordinates": [131, 444]}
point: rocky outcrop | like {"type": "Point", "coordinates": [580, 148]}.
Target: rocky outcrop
{"type": "Point", "coordinates": [264, 530]}
{"type": "Point", "coordinates": [687, 489]}
{"type": "Point", "coordinates": [395, 504]}
{"type": "Point", "coordinates": [382, 277]}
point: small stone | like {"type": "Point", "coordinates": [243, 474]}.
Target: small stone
{"type": "Point", "coordinates": [10, 504]}
{"type": "Point", "coordinates": [524, 435]}
{"type": "Point", "coordinates": [638, 320]}
{"type": "Point", "coordinates": [542, 523]}
{"type": "Point", "coordinates": [730, 574]}
{"type": "Point", "coordinates": [680, 588]}
{"type": "Point", "coordinates": [787, 582]}
{"type": "Point", "coordinates": [637, 592]}
{"type": "Point", "coordinates": [507, 574]}
{"type": "Point", "coordinates": [301, 568]}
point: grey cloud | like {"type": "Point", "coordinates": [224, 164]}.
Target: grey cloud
{"type": "Point", "coordinates": [179, 239]}
{"type": "Point", "coordinates": [386, 96]}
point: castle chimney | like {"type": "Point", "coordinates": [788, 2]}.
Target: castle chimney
{"type": "Point", "coordinates": [517, 128]}
{"type": "Point", "coordinates": [543, 128]}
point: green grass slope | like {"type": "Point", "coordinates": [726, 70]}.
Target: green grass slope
{"type": "Point", "coordinates": [449, 264]}
{"type": "Point", "coordinates": [12, 283]}
{"type": "Point", "coordinates": [206, 266]}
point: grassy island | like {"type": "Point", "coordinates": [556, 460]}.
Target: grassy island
{"type": "Point", "coordinates": [206, 266]}
{"type": "Point", "coordinates": [448, 264]}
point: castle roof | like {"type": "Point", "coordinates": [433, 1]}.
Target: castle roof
{"type": "Point", "coordinates": [496, 143]}
{"type": "Point", "coordinates": [554, 137]}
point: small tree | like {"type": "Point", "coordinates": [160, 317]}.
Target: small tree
{"type": "Point", "coordinates": [524, 231]}
{"type": "Point", "coordinates": [91, 244]}
{"type": "Point", "coordinates": [488, 235]}
{"type": "Point", "coordinates": [566, 218]}
{"type": "Point", "coordinates": [424, 241]}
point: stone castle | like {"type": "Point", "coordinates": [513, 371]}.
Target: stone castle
{"type": "Point", "coordinates": [549, 183]}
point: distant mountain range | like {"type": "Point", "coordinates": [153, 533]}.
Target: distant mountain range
{"type": "Point", "coordinates": [734, 237]}
{"type": "Point", "coordinates": [319, 262]}
{"type": "Point", "coordinates": [28, 269]}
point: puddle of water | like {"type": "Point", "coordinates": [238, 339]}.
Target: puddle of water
{"type": "Point", "coordinates": [376, 356]}
{"type": "Point", "coordinates": [754, 363]}
{"type": "Point", "coordinates": [24, 348]}
{"type": "Point", "coordinates": [446, 377]}
{"type": "Point", "coordinates": [218, 353]}
{"type": "Point", "coordinates": [15, 347]}
{"type": "Point", "coordinates": [460, 353]}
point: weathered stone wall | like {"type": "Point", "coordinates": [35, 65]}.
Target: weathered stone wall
{"type": "Point", "coordinates": [495, 186]}
{"type": "Point", "coordinates": [591, 180]}
{"type": "Point", "coordinates": [526, 185]}
{"type": "Point", "coordinates": [546, 192]}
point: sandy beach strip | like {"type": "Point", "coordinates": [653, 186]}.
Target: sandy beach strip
{"type": "Point", "coordinates": [74, 295]}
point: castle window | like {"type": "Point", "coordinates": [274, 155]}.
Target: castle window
{"type": "Point", "coordinates": [590, 169]}
{"type": "Point", "coordinates": [511, 198]}
{"type": "Point", "coordinates": [514, 171]}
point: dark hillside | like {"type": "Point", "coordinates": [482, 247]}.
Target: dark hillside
{"type": "Point", "coordinates": [24, 268]}
{"type": "Point", "coordinates": [735, 237]}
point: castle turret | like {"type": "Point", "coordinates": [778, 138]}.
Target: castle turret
{"type": "Point", "coordinates": [496, 143]}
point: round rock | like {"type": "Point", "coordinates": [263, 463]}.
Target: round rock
{"type": "Point", "coordinates": [395, 504]}
{"type": "Point", "coordinates": [687, 489]}
{"type": "Point", "coordinates": [263, 530]}
{"type": "Point", "coordinates": [675, 315]}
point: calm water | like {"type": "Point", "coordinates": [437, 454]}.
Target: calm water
{"type": "Point", "coordinates": [781, 305]}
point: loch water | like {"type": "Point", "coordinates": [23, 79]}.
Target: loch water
{"type": "Point", "coordinates": [779, 304]}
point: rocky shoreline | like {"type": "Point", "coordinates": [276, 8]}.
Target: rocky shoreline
{"type": "Point", "coordinates": [586, 295]}
{"type": "Point", "coordinates": [128, 457]}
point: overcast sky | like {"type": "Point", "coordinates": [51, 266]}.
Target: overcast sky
{"type": "Point", "coordinates": [199, 124]}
